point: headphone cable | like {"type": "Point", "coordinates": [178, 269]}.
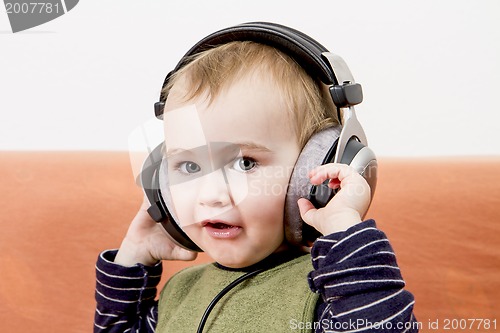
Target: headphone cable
{"type": "Point", "coordinates": [222, 293]}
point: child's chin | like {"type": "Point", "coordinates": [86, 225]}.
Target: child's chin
{"type": "Point", "coordinates": [228, 261]}
{"type": "Point", "coordinates": [233, 261]}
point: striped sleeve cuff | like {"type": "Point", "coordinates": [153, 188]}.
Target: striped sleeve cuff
{"type": "Point", "coordinates": [124, 288]}
{"type": "Point", "coordinates": [357, 260]}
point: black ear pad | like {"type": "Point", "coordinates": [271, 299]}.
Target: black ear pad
{"type": "Point", "coordinates": [321, 149]}
{"type": "Point", "coordinates": [154, 180]}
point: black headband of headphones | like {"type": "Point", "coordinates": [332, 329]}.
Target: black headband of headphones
{"type": "Point", "coordinates": [307, 52]}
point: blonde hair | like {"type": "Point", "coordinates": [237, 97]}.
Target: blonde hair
{"type": "Point", "coordinates": [211, 71]}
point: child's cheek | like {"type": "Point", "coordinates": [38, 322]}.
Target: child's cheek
{"type": "Point", "coordinates": [239, 184]}
{"type": "Point", "coordinates": [269, 182]}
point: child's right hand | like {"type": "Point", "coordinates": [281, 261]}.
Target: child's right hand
{"type": "Point", "coordinates": [147, 243]}
{"type": "Point", "coordinates": [346, 208]}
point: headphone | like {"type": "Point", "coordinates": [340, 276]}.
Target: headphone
{"type": "Point", "coordinates": [345, 143]}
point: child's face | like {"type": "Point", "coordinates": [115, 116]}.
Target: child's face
{"type": "Point", "coordinates": [229, 164]}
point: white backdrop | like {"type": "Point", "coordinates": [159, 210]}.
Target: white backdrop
{"type": "Point", "coordinates": [429, 69]}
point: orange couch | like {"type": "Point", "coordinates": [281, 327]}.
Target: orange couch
{"type": "Point", "coordinates": [60, 209]}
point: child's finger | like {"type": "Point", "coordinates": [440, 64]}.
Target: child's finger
{"type": "Point", "coordinates": [179, 253]}
{"type": "Point", "coordinates": [334, 184]}
{"type": "Point", "coordinates": [330, 171]}
{"type": "Point", "coordinates": [307, 210]}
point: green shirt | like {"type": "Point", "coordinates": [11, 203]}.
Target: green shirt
{"type": "Point", "coordinates": [268, 302]}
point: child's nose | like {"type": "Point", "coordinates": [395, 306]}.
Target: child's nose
{"type": "Point", "coordinates": [214, 190]}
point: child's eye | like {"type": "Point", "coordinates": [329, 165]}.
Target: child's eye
{"type": "Point", "coordinates": [244, 164]}
{"type": "Point", "coordinates": [188, 167]}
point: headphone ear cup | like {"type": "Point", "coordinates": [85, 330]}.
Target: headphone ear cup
{"type": "Point", "coordinates": [363, 160]}
{"type": "Point", "coordinates": [149, 182]}
{"type": "Point", "coordinates": [356, 155]}
{"type": "Point", "coordinates": [320, 149]}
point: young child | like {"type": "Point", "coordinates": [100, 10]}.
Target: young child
{"type": "Point", "coordinates": [256, 98]}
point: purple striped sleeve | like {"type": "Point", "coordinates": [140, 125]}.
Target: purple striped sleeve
{"type": "Point", "coordinates": [125, 296]}
{"type": "Point", "coordinates": [357, 275]}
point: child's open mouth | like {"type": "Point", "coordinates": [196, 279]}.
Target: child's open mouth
{"type": "Point", "coordinates": [218, 229]}
{"type": "Point", "coordinates": [220, 225]}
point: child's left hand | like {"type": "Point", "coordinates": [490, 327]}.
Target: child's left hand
{"type": "Point", "coordinates": [346, 208]}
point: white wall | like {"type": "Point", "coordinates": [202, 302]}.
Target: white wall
{"type": "Point", "coordinates": [429, 69]}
